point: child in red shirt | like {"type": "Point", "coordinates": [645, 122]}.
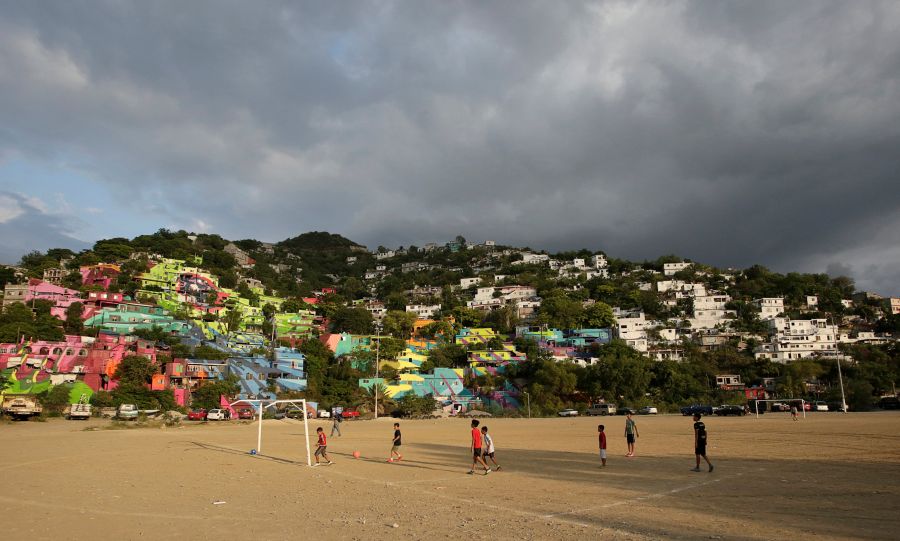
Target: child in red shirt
{"type": "Point", "coordinates": [477, 456]}
{"type": "Point", "coordinates": [321, 445]}
{"type": "Point", "coordinates": [602, 437]}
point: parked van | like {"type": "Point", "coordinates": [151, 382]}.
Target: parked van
{"type": "Point", "coordinates": [602, 409]}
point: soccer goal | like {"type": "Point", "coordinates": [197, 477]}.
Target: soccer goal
{"type": "Point", "coordinates": [784, 401]}
{"type": "Point", "coordinates": [261, 405]}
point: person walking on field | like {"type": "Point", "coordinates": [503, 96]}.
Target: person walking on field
{"type": "Point", "coordinates": [489, 448]}
{"type": "Point", "coordinates": [477, 456]}
{"type": "Point", "coordinates": [602, 437]}
{"type": "Point", "coordinates": [700, 443]}
{"type": "Point", "coordinates": [397, 442]}
{"type": "Point", "coordinates": [336, 424]}
{"type": "Point", "coordinates": [321, 446]}
{"type": "Point", "coordinates": [631, 433]}
{"type": "Point", "coordinates": [793, 412]}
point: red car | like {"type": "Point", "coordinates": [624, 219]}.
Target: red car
{"type": "Point", "coordinates": [349, 414]}
{"type": "Point", "coordinates": [245, 414]}
{"type": "Point", "coordinates": [197, 415]}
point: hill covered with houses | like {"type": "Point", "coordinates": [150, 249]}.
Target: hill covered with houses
{"type": "Point", "coordinates": [175, 319]}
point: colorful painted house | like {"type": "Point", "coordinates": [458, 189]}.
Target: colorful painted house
{"type": "Point", "coordinates": [468, 336]}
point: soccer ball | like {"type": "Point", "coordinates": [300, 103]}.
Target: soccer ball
{"type": "Point", "coordinates": [355, 454]}
{"type": "Point", "coordinates": [252, 451]}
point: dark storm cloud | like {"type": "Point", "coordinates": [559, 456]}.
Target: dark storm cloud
{"type": "Point", "coordinates": [729, 132]}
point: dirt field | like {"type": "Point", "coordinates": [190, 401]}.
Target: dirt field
{"type": "Point", "coordinates": [831, 476]}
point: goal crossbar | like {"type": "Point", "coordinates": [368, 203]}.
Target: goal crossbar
{"type": "Point", "coordinates": [802, 403]}
{"type": "Point", "coordinates": [263, 404]}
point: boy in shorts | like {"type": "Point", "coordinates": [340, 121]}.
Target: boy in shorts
{"type": "Point", "coordinates": [321, 446]}
{"type": "Point", "coordinates": [700, 443]}
{"type": "Point", "coordinates": [602, 438]}
{"type": "Point", "coordinates": [631, 432]}
{"type": "Point", "coordinates": [397, 441]}
{"type": "Point", "coordinates": [476, 449]}
{"type": "Point", "coordinates": [488, 443]}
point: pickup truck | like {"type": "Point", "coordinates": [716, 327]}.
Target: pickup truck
{"type": "Point", "coordinates": [697, 408]}
{"type": "Point", "coordinates": [127, 412]}
{"type": "Point", "coordinates": [21, 406]}
{"type": "Point", "coordinates": [79, 411]}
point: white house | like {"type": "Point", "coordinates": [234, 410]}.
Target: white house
{"type": "Point", "coordinates": [424, 311]}
{"type": "Point", "coordinates": [466, 283]}
{"type": "Point", "coordinates": [669, 269]}
{"type": "Point", "coordinates": [633, 330]}
{"type": "Point", "coordinates": [770, 308]}
{"type": "Point", "coordinates": [799, 339]}
{"type": "Point", "coordinates": [812, 302]}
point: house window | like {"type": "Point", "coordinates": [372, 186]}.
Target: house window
{"type": "Point", "coordinates": [82, 353]}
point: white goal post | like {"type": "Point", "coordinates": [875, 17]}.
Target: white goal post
{"type": "Point", "coordinates": [262, 404]}
{"type": "Point", "coordinates": [786, 400]}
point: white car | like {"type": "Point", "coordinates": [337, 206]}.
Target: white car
{"type": "Point", "coordinates": [568, 413]}
{"type": "Point", "coordinates": [324, 414]}
{"type": "Point", "coordinates": [820, 406]}
{"type": "Point", "coordinates": [218, 415]}
{"type": "Point", "coordinates": [648, 410]}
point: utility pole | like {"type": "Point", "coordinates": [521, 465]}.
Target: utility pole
{"type": "Point", "coordinates": [377, 360]}
{"type": "Point", "coordinates": [528, 402]}
{"type": "Point", "coordinates": [841, 380]}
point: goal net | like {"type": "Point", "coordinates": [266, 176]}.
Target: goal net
{"type": "Point", "coordinates": [798, 401]}
{"type": "Point", "coordinates": [261, 406]}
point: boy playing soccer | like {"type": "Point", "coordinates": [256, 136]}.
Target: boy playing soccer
{"type": "Point", "coordinates": [476, 449]}
{"type": "Point", "coordinates": [602, 437]}
{"type": "Point", "coordinates": [700, 443]}
{"type": "Point", "coordinates": [489, 447]}
{"type": "Point", "coordinates": [397, 441]}
{"type": "Point", "coordinates": [631, 433]}
{"type": "Point", "coordinates": [320, 447]}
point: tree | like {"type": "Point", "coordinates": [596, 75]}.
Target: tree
{"type": "Point", "coordinates": [74, 323]}
{"type": "Point", "coordinates": [56, 399]}
{"type": "Point", "coordinates": [412, 404]}
{"type": "Point", "coordinates": [208, 395]}
{"type": "Point", "coordinates": [561, 312]}
{"type": "Point", "coordinates": [233, 319]}
{"type": "Point", "coordinates": [598, 316]}
{"type": "Point", "coordinates": [400, 324]}
{"type": "Point", "coordinates": [135, 370]}
{"type": "Point", "coordinates": [352, 320]}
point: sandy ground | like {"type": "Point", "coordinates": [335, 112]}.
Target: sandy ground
{"type": "Point", "coordinates": [831, 476]}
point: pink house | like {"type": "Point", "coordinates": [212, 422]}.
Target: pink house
{"type": "Point", "coordinates": [60, 296]}
{"type": "Point", "coordinates": [77, 358]}
{"type": "Point", "coordinates": [101, 275]}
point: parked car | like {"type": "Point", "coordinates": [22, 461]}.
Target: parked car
{"type": "Point", "coordinates": [324, 414]}
{"type": "Point", "coordinates": [731, 409]}
{"type": "Point", "coordinates": [779, 406]}
{"type": "Point", "coordinates": [81, 410]}
{"type": "Point", "coordinates": [625, 411]}
{"type": "Point", "coordinates": [601, 409]}
{"type": "Point", "coordinates": [889, 403]}
{"type": "Point", "coordinates": [648, 410]}
{"type": "Point", "coordinates": [568, 413]}
{"type": "Point", "coordinates": [218, 415]}
{"type": "Point", "coordinates": [293, 412]}
{"type": "Point", "coordinates": [246, 414]}
{"type": "Point", "coordinates": [127, 412]}
{"type": "Point", "coordinates": [349, 414]}
{"type": "Point", "coordinates": [820, 406]}
{"type": "Point", "coordinates": [837, 406]}
{"type": "Point", "coordinates": [697, 408]}
{"type": "Point", "coordinates": [197, 415]}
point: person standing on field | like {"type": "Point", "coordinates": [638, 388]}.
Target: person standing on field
{"type": "Point", "coordinates": [336, 423]}
{"type": "Point", "coordinates": [631, 433]}
{"type": "Point", "coordinates": [793, 412]}
{"type": "Point", "coordinates": [700, 443]}
{"type": "Point", "coordinates": [602, 437]}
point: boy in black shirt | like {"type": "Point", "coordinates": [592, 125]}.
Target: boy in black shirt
{"type": "Point", "coordinates": [700, 443]}
{"type": "Point", "coordinates": [395, 449]}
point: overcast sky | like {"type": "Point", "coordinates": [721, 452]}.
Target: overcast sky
{"type": "Point", "coordinates": [732, 133]}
